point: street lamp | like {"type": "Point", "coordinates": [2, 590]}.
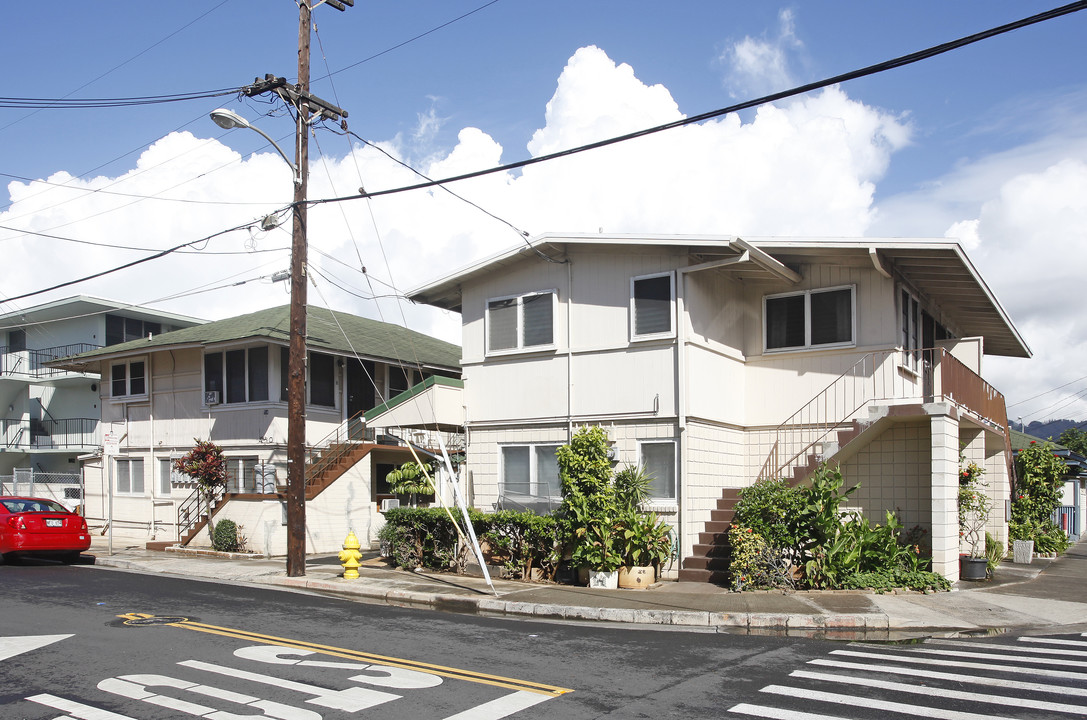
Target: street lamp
{"type": "Point", "coordinates": [296, 355]}
{"type": "Point", "coordinates": [228, 120]}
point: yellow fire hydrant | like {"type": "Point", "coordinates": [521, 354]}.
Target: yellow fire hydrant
{"type": "Point", "coordinates": [350, 556]}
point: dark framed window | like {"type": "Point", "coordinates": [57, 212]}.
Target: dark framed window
{"type": "Point", "coordinates": [322, 379]}
{"type": "Point", "coordinates": [651, 305]}
{"type": "Point", "coordinates": [238, 376]}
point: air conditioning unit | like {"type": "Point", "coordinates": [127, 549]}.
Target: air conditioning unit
{"type": "Point", "coordinates": [211, 397]}
{"type": "Point", "coordinates": [389, 504]}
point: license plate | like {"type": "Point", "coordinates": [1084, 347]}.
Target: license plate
{"type": "Point", "coordinates": [54, 522]}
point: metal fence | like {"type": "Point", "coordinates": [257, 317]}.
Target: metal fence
{"type": "Point", "coordinates": [65, 488]}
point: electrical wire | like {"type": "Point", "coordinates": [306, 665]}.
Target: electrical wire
{"type": "Point", "coordinates": [156, 256]}
{"type": "Point", "coordinates": [712, 114]}
{"type": "Point", "coordinates": [133, 247]}
{"type": "Point", "coordinates": [408, 41]}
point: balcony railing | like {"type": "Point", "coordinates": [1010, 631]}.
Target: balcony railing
{"type": "Point", "coordinates": [878, 378]}
{"type": "Point", "coordinates": [65, 433]}
{"type": "Point", "coordinates": [31, 363]}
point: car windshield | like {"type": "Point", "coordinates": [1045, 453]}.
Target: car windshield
{"type": "Point", "coordinates": [17, 505]}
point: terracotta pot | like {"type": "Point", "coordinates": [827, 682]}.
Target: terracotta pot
{"type": "Point", "coordinates": [637, 578]}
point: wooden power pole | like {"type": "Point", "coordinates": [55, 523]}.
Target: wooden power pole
{"type": "Point", "coordinates": [296, 366]}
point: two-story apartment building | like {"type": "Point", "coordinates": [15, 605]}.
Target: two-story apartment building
{"type": "Point", "coordinates": [715, 361]}
{"type": "Point", "coordinates": [225, 381]}
{"type": "Point", "coordinates": [51, 416]}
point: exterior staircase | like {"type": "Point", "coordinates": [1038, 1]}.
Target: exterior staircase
{"type": "Point", "coordinates": [331, 458]}
{"type": "Point", "coordinates": [710, 555]}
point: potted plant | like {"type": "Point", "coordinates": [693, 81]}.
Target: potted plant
{"type": "Point", "coordinates": [974, 506]}
{"type": "Point", "coordinates": [409, 479]}
{"type": "Point", "coordinates": [646, 545]}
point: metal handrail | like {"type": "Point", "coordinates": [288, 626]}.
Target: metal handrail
{"type": "Point", "coordinates": [872, 378]}
{"type": "Point", "coordinates": [36, 359]}
{"type": "Point", "coordinates": [196, 508]}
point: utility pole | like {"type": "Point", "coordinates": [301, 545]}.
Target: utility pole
{"type": "Point", "coordinates": [296, 366]}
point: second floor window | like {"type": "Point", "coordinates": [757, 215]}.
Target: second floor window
{"type": "Point", "coordinates": [524, 322]}
{"type": "Point", "coordinates": [128, 379]}
{"type": "Point", "coordinates": [237, 375]}
{"type": "Point", "coordinates": [809, 319]}
{"type": "Point", "coordinates": [651, 301]}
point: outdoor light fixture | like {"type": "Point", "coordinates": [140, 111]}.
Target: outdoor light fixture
{"type": "Point", "coordinates": [229, 120]}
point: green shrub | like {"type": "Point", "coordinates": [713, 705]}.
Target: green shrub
{"type": "Point", "coordinates": [884, 580]}
{"type": "Point", "coordinates": [755, 564]}
{"type": "Point", "coordinates": [225, 537]}
{"type": "Point", "coordinates": [420, 537]}
{"type": "Point", "coordinates": [427, 538]}
{"type": "Point", "coordinates": [525, 540]}
{"type": "Point", "coordinates": [770, 508]}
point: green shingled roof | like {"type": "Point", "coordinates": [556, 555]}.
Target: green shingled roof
{"type": "Point", "coordinates": [368, 338]}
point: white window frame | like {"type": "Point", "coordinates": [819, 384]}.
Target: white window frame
{"type": "Point", "coordinates": [128, 394]}
{"type": "Point", "coordinates": [533, 468]}
{"type": "Point", "coordinates": [671, 331]}
{"type": "Point", "coordinates": [117, 463]}
{"type": "Point", "coordinates": [172, 476]}
{"type": "Point", "coordinates": [662, 499]}
{"type": "Point", "coordinates": [520, 347]}
{"type": "Point", "coordinates": [808, 320]}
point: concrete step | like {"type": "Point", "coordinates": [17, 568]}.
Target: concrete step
{"type": "Point", "coordinates": [703, 576]}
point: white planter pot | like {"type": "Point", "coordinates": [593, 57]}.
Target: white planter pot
{"type": "Point", "coordinates": [1022, 551]}
{"type": "Point", "coordinates": [605, 580]}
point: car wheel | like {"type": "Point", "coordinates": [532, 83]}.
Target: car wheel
{"type": "Point", "coordinates": [9, 558]}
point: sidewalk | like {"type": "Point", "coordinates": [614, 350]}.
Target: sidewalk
{"type": "Point", "coordinates": [1045, 595]}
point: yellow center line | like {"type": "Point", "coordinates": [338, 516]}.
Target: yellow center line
{"type": "Point", "coordinates": [442, 670]}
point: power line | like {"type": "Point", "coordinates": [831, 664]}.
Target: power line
{"type": "Point", "coordinates": [90, 103]}
{"type": "Point", "coordinates": [799, 90]}
{"type": "Point", "coordinates": [157, 255]}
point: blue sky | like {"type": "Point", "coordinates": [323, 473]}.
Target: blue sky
{"type": "Point", "coordinates": [987, 143]}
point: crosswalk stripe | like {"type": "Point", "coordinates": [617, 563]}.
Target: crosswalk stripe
{"type": "Point", "coordinates": [954, 677]}
{"type": "Point", "coordinates": [1010, 648]}
{"type": "Point", "coordinates": [942, 692]}
{"type": "Point", "coordinates": [1055, 641]}
{"type": "Point", "coordinates": [773, 713]}
{"type": "Point", "coordinates": [1015, 670]}
{"type": "Point", "coordinates": [874, 704]}
{"type": "Point", "coordinates": [994, 656]}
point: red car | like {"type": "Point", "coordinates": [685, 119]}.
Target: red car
{"type": "Point", "coordinates": [42, 528]}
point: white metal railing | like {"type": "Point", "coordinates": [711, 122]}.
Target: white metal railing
{"type": "Point", "coordinates": [884, 377]}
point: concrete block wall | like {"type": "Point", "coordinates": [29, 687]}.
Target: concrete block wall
{"type": "Point", "coordinates": [894, 471]}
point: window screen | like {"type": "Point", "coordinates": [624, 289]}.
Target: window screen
{"type": "Point", "coordinates": [653, 305]}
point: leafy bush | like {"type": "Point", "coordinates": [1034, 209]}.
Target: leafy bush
{"type": "Point", "coordinates": [884, 580]}
{"type": "Point", "coordinates": [994, 553]}
{"type": "Point", "coordinates": [770, 508]}
{"type": "Point", "coordinates": [225, 538]}
{"type": "Point", "coordinates": [832, 549]}
{"type": "Point", "coordinates": [427, 538]}
{"type": "Point", "coordinates": [755, 564]}
{"type": "Point", "coordinates": [420, 537]}
{"type": "Point", "coordinates": [525, 540]}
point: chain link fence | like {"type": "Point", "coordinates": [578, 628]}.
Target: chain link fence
{"type": "Point", "coordinates": [65, 488]}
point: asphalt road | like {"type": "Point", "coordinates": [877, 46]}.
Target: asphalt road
{"type": "Point", "coordinates": [452, 664]}
{"type": "Point", "coordinates": [97, 644]}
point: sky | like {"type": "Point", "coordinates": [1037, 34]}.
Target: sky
{"type": "Point", "coordinates": [986, 144]}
